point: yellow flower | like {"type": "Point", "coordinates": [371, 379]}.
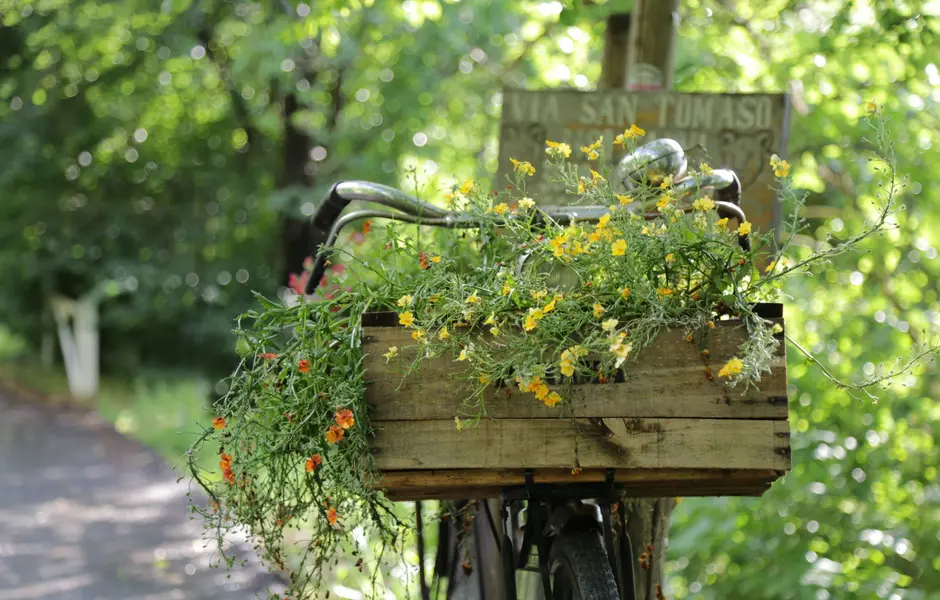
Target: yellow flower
{"type": "Point", "coordinates": [781, 167]}
{"type": "Point", "coordinates": [664, 201]}
{"type": "Point", "coordinates": [619, 248]}
{"type": "Point", "coordinates": [526, 203]}
{"type": "Point", "coordinates": [417, 334]}
{"type": "Point", "coordinates": [664, 291]}
{"type": "Point", "coordinates": [670, 257]}
{"type": "Point", "coordinates": [582, 185]}
{"type": "Point", "coordinates": [629, 134]}
{"type": "Point", "coordinates": [705, 168]}
{"type": "Point", "coordinates": [483, 379]}
{"type": "Point", "coordinates": [603, 221]}
{"type": "Point", "coordinates": [463, 355]}
{"type": "Point", "coordinates": [625, 293]}
{"type": "Point", "coordinates": [434, 297]}
{"type": "Point", "coordinates": [500, 209]}
{"type": "Point", "coordinates": [567, 366]}
{"type": "Point", "coordinates": [541, 391]}
{"type": "Point", "coordinates": [405, 300]}
{"type": "Point", "coordinates": [744, 228]}
{"type": "Point", "coordinates": [406, 318]}
{"type": "Point", "coordinates": [532, 319]}
{"type": "Point", "coordinates": [871, 107]}
{"type": "Point", "coordinates": [556, 149]}
{"type": "Point", "coordinates": [711, 324]}
{"type": "Point", "coordinates": [494, 331]}
{"type": "Point", "coordinates": [558, 244]}
{"type": "Point", "coordinates": [598, 311]}
{"type": "Point", "coordinates": [522, 166]}
{"type": "Point", "coordinates": [624, 200]}
{"type": "Point", "coordinates": [466, 187]}
{"type": "Point", "coordinates": [703, 204]}
{"type": "Point", "coordinates": [392, 353]}
{"type": "Point", "coordinates": [667, 183]}
{"type": "Point", "coordinates": [552, 399]}
{"type": "Point", "coordinates": [472, 298]}
{"type": "Point", "coordinates": [621, 351]}
{"type": "Point", "coordinates": [490, 320]}
{"type": "Point", "coordinates": [770, 267]}
{"type": "Point", "coordinates": [732, 367]}
{"type": "Point", "coordinates": [507, 289]}
{"type": "Point", "coordinates": [549, 307]}
{"type": "Point", "coordinates": [591, 151]}
{"type": "Point", "coordinates": [539, 294]}
{"type": "Point", "coordinates": [609, 325]}
{"type": "Point", "coordinates": [435, 259]}
{"type": "Point", "coordinates": [443, 334]}
{"type": "Point", "coordinates": [596, 177]}
{"type": "Point", "coordinates": [722, 222]}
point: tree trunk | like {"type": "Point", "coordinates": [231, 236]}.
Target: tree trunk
{"type": "Point", "coordinates": [648, 526]}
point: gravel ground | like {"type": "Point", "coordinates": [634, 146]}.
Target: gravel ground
{"type": "Point", "coordinates": [87, 514]}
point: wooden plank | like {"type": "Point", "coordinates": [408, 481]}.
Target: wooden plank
{"type": "Point", "coordinates": [597, 443]}
{"type": "Point", "coordinates": [738, 131]}
{"type": "Point", "coordinates": [637, 491]}
{"type": "Point", "coordinates": [667, 379]}
{"type": "Point", "coordinates": [470, 478]}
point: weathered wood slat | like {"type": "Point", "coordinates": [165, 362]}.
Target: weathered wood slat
{"type": "Point", "coordinates": [468, 478]}
{"type": "Point", "coordinates": [635, 491]}
{"type": "Point", "coordinates": [597, 443]}
{"type": "Point", "coordinates": [667, 380]}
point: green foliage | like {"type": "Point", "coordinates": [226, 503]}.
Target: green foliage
{"type": "Point", "coordinates": [856, 517]}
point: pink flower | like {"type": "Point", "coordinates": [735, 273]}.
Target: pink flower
{"type": "Point", "coordinates": [298, 283]}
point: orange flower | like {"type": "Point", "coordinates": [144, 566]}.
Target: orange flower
{"type": "Point", "coordinates": [218, 423]}
{"type": "Point", "coordinates": [303, 365]}
{"type": "Point", "coordinates": [423, 261]}
{"type": "Point", "coordinates": [226, 463]}
{"type": "Point", "coordinates": [344, 418]}
{"type": "Point", "coordinates": [267, 356]}
{"type": "Point", "coordinates": [334, 434]}
{"type": "Point", "coordinates": [313, 462]}
{"type": "Point", "coordinates": [367, 227]}
{"type": "Point", "coordinates": [332, 516]}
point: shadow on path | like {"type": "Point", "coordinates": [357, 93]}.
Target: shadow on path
{"type": "Point", "coordinates": [87, 514]}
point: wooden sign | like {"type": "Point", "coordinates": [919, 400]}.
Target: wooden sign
{"type": "Point", "coordinates": [735, 131]}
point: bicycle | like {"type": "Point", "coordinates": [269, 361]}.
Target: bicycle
{"type": "Point", "coordinates": [570, 526]}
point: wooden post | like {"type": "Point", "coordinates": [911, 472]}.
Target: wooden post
{"type": "Point", "coordinates": [645, 62]}
{"type": "Point", "coordinates": [651, 48]}
{"type": "Point", "coordinates": [616, 44]}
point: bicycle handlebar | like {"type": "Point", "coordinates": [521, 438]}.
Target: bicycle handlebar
{"type": "Point", "coordinates": [648, 163]}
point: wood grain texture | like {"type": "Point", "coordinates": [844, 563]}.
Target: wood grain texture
{"type": "Point", "coordinates": [666, 380]}
{"type": "Point", "coordinates": [442, 478]}
{"type": "Point", "coordinates": [597, 443]}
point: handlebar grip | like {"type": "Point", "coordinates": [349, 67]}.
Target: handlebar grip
{"type": "Point", "coordinates": [327, 213]}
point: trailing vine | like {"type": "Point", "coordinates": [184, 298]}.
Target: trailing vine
{"type": "Point", "coordinates": [293, 431]}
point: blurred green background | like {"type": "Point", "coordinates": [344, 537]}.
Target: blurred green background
{"type": "Point", "coordinates": [163, 155]}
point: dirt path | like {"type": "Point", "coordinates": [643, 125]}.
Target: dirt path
{"type": "Point", "coordinates": [86, 514]}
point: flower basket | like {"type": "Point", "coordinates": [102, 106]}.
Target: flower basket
{"type": "Point", "coordinates": [664, 425]}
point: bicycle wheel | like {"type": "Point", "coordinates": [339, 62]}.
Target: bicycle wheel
{"type": "Point", "coordinates": [579, 568]}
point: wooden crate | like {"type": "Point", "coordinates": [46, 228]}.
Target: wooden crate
{"type": "Point", "coordinates": [664, 428]}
